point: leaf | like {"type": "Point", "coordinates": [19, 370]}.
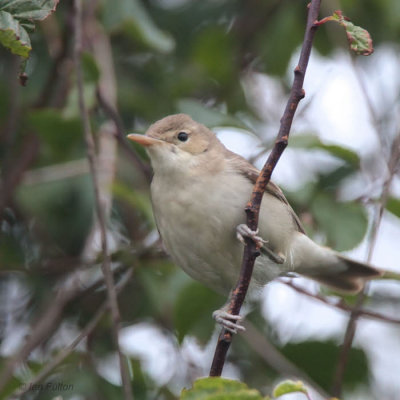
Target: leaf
{"type": "Point", "coordinates": [219, 389]}
{"type": "Point", "coordinates": [393, 205]}
{"type": "Point", "coordinates": [193, 311]}
{"type": "Point", "coordinates": [210, 49]}
{"type": "Point", "coordinates": [136, 199]}
{"type": "Point", "coordinates": [30, 10]}
{"type": "Point", "coordinates": [90, 68]}
{"type": "Point", "coordinates": [318, 360]}
{"type": "Point", "coordinates": [63, 209]}
{"type": "Point", "coordinates": [132, 18]}
{"type": "Point", "coordinates": [13, 36]}
{"type": "Point", "coordinates": [359, 39]}
{"type": "Point", "coordinates": [313, 142]}
{"type": "Point", "coordinates": [16, 18]}
{"type": "Point", "coordinates": [160, 282]}
{"type": "Point", "coordinates": [287, 387]}
{"type": "Point", "coordinates": [207, 116]}
{"type": "Point", "coordinates": [344, 224]}
{"type": "Point", "coordinates": [61, 135]}
{"type": "Point", "coordinates": [332, 179]}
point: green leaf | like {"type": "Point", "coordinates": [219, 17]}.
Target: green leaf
{"type": "Point", "coordinates": [359, 39]}
{"type": "Point", "coordinates": [332, 179]}
{"type": "Point", "coordinates": [219, 389]}
{"type": "Point", "coordinates": [211, 47]}
{"type": "Point", "coordinates": [318, 360]}
{"type": "Point", "coordinates": [207, 116]}
{"type": "Point", "coordinates": [313, 142]}
{"type": "Point", "coordinates": [132, 18]}
{"type": "Point", "coordinates": [289, 386]}
{"type": "Point", "coordinates": [13, 36]}
{"type": "Point", "coordinates": [36, 10]}
{"type": "Point", "coordinates": [393, 205]}
{"type": "Point", "coordinates": [344, 224]}
{"type": "Point", "coordinates": [63, 209]}
{"type": "Point", "coordinates": [91, 71]}
{"type": "Point", "coordinates": [193, 311]}
{"type": "Point", "coordinates": [61, 135]}
{"type": "Point", "coordinates": [16, 18]}
{"type": "Point", "coordinates": [285, 23]}
{"type": "Point", "coordinates": [160, 282]}
{"type": "Point", "coordinates": [136, 199]}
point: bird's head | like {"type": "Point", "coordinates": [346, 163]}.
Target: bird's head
{"type": "Point", "coordinates": [177, 141]}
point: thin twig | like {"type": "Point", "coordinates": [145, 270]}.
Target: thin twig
{"type": "Point", "coordinates": [253, 207]}
{"type": "Point", "coordinates": [351, 325]}
{"type": "Point", "coordinates": [65, 352]}
{"type": "Point", "coordinates": [90, 148]}
{"type": "Point", "coordinates": [340, 305]}
{"type": "Point", "coordinates": [72, 290]}
{"type": "Point", "coordinates": [121, 135]}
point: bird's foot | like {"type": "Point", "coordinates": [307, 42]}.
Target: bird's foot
{"type": "Point", "coordinates": [229, 321]}
{"type": "Point", "coordinates": [243, 231]}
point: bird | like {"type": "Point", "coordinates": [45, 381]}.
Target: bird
{"type": "Point", "coordinates": [199, 191]}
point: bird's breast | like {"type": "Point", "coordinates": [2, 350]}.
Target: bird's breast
{"type": "Point", "coordinates": [197, 218]}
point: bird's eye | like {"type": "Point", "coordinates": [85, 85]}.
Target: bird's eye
{"type": "Point", "coordinates": [183, 136]}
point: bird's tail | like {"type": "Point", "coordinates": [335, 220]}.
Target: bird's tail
{"type": "Point", "coordinates": [333, 269]}
{"type": "Point", "coordinates": [352, 279]}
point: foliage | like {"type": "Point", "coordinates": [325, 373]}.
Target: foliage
{"type": "Point", "coordinates": [157, 58]}
{"type": "Point", "coordinates": [17, 19]}
{"type": "Point", "coordinates": [287, 387]}
{"type": "Point", "coordinates": [359, 39]}
{"type": "Point", "coordinates": [220, 389]}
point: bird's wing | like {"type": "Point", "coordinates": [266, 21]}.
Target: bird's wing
{"type": "Point", "coordinates": [251, 172]}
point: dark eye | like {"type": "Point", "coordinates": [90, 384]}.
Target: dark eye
{"type": "Point", "coordinates": [183, 136]}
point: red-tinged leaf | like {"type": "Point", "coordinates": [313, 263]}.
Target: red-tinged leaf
{"type": "Point", "coordinates": [359, 39]}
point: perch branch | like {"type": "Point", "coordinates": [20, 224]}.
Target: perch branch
{"type": "Point", "coordinates": [90, 148]}
{"type": "Point", "coordinates": [253, 207]}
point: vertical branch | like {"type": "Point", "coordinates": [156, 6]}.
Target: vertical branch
{"type": "Point", "coordinates": [90, 148]}
{"type": "Point", "coordinates": [250, 252]}
{"type": "Point", "coordinates": [351, 325]}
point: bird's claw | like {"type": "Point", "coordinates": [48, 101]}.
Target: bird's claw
{"type": "Point", "coordinates": [243, 231]}
{"type": "Point", "coordinates": [229, 321]}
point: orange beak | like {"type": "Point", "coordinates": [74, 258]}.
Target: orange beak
{"type": "Point", "coordinates": [143, 139]}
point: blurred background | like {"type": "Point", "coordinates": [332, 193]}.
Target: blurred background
{"type": "Point", "coordinates": [228, 64]}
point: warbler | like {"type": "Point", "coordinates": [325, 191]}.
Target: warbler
{"type": "Point", "coordinates": [199, 191]}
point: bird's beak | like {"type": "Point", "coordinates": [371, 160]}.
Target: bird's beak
{"type": "Point", "coordinates": [143, 139]}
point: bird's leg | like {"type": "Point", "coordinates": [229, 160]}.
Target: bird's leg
{"type": "Point", "coordinates": [229, 321]}
{"type": "Point", "coordinates": [276, 258]}
{"type": "Point", "coordinates": [243, 230]}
